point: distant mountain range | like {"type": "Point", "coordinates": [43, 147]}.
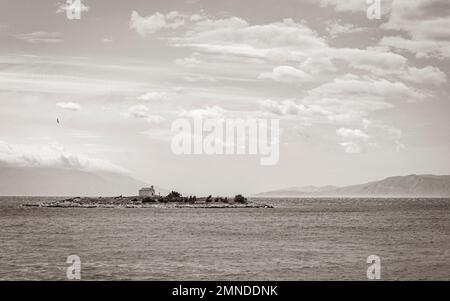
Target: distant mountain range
{"type": "Point", "coordinates": [40, 181]}
{"type": "Point", "coordinates": [400, 186]}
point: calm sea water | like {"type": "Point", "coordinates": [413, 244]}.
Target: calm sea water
{"type": "Point", "coordinates": [301, 239]}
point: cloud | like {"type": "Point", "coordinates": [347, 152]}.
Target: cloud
{"type": "Point", "coordinates": [356, 140]}
{"type": "Point", "coordinates": [345, 5]}
{"type": "Point", "coordinates": [188, 62]}
{"type": "Point", "coordinates": [307, 112]}
{"type": "Point", "coordinates": [65, 7]}
{"type": "Point", "coordinates": [205, 112]}
{"type": "Point", "coordinates": [41, 37]}
{"type": "Point", "coordinates": [232, 35]}
{"type": "Point", "coordinates": [199, 78]}
{"type": "Point", "coordinates": [426, 24]}
{"type": "Point", "coordinates": [137, 111]}
{"type": "Point", "coordinates": [35, 82]}
{"type": "Point", "coordinates": [3, 27]}
{"type": "Point", "coordinates": [316, 65]}
{"type": "Point", "coordinates": [345, 85]}
{"type": "Point", "coordinates": [286, 41]}
{"type": "Point", "coordinates": [385, 64]}
{"type": "Point", "coordinates": [352, 134]}
{"type": "Point", "coordinates": [153, 96]}
{"type": "Point", "coordinates": [347, 99]}
{"type": "Point", "coordinates": [369, 59]}
{"type": "Point", "coordinates": [286, 74]}
{"type": "Point", "coordinates": [142, 112]}
{"type": "Point", "coordinates": [71, 106]}
{"type": "Point", "coordinates": [107, 40]}
{"type": "Point", "coordinates": [336, 28]}
{"type": "Point", "coordinates": [428, 75]}
{"type": "Point", "coordinates": [354, 6]}
{"type": "Point", "coordinates": [354, 87]}
{"type": "Point", "coordinates": [351, 147]}
{"type": "Point", "coordinates": [154, 23]}
{"type": "Point", "coordinates": [52, 155]}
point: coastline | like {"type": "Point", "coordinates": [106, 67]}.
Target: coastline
{"type": "Point", "coordinates": [147, 202]}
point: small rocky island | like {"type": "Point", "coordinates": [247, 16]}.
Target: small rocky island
{"type": "Point", "coordinates": [172, 200]}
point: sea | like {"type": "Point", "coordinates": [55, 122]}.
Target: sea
{"type": "Point", "coordinates": [300, 239]}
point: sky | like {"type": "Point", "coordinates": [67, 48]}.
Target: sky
{"type": "Point", "coordinates": [358, 99]}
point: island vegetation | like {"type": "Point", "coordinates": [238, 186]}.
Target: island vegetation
{"type": "Point", "coordinates": [172, 200]}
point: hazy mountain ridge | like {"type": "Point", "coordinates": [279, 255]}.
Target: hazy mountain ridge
{"type": "Point", "coordinates": [398, 186]}
{"type": "Point", "coordinates": [40, 181]}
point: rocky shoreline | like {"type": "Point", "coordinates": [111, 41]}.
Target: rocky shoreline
{"type": "Point", "coordinates": [150, 202]}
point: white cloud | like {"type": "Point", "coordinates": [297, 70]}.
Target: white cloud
{"type": "Point", "coordinates": [199, 78]}
{"type": "Point", "coordinates": [36, 82]}
{"type": "Point", "coordinates": [354, 5]}
{"type": "Point", "coordinates": [155, 119]}
{"type": "Point", "coordinates": [352, 134]}
{"type": "Point", "coordinates": [234, 35]}
{"type": "Point", "coordinates": [369, 59]}
{"type": "Point", "coordinates": [356, 140]}
{"type": "Point", "coordinates": [316, 65]}
{"type": "Point", "coordinates": [286, 74]}
{"type": "Point", "coordinates": [285, 107]}
{"type": "Point", "coordinates": [51, 155]}
{"type": "Point", "coordinates": [41, 37]}
{"type": "Point", "coordinates": [64, 7]}
{"type": "Point", "coordinates": [351, 147]}
{"type": "Point", "coordinates": [154, 23]}
{"type": "Point", "coordinates": [188, 62]}
{"type": "Point", "coordinates": [71, 106]}
{"type": "Point", "coordinates": [152, 96]}
{"type": "Point", "coordinates": [336, 28]}
{"type": "Point", "coordinates": [137, 111]}
{"type": "Point", "coordinates": [355, 87]}
{"type": "Point", "coordinates": [428, 75]}
{"type": "Point", "coordinates": [205, 112]}
{"type": "Point", "coordinates": [143, 112]}
{"type": "Point", "coordinates": [425, 22]}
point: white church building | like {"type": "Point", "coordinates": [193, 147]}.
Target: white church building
{"type": "Point", "coordinates": [147, 191]}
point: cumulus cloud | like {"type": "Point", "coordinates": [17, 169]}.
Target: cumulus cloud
{"type": "Point", "coordinates": [71, 106]}
{"type": "Point", "coordinates": [351, 147]}
{"type": "Point", "coordinates": [233, 35]}
{"type": "Point", "coordinates": [150, 96]}
{"type": "Point", "coordinates": [188, 62]}
{"type": "Point", "coordinates": [316, 65]}
{"type": "Point", "coordinates": [138, 111]}
{"type": "Point", "coordinates": [51, 155]}
{"type": "Point", "coordinates": [369, 59]}
{"type": "Point", "coordinates": [351, 86]}
{"type": "Point", "coordinates": [154, 23]}
{"type": "Point", "coordinates": [143, 112]}
{"type": "Point", "coordinates": [286, 41]}
{"type": "Point", "coordinates": [347, 84]}
{"type": "Point", "coordinates": [286, 74]}
{"type": "Point", "coordinates": [356, 140]}
{"type": "Point", "coordinates": [285, 107]}
{"type": "Point", "coordinates": [352, 134]}
{"type": "Point", "coordinates": [345, 100]}
{"type": "Point", "coordinates": [64, 7]}
{"type": "Point", "coordinates": [428, 75]}
{"type": "Point", "coordinates": [354, 5]}
{"type": "Point", "coordinates": [426, 24]}
{"type": "Point", "coordinates": [336, 28]}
